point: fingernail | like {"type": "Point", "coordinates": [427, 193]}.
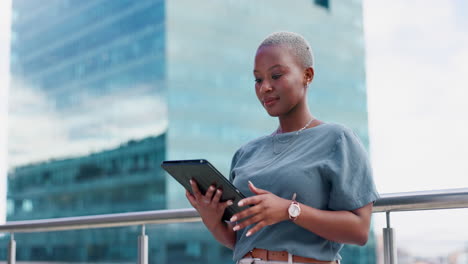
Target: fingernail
{"type": "Point", "coordinates": [191, 182]}
{"type": "Point", "coordinates": [240, 203]}
{"type": "Point", "coordinates": [248, 234]}
{"type": "Point", "coordinates": [218, 191]}
{"type": "Point", "coordinates": [236, 228]}
{"type": "Point", "coordinates": [229, 203]}
{"type": "Point", "coordinates": [212, 187]}
{"type": "Point", "coordinates": [233, 219]}
{"type": "Point", "coordinates": [250, 182]}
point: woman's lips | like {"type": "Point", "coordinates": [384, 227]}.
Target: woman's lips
{"type": "Point", "coordinates": [270, 101]}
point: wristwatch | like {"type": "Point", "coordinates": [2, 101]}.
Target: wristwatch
{"type": "Point", "coordinates": [294, 209]}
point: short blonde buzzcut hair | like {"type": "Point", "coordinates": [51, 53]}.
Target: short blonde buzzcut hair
{"type": "Point", "coordinates": [298, 45]}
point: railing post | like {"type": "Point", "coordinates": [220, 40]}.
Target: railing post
{"type": "Point", "coordinates": [143, 247]}
{"type": "Point", "coordinates": [12, 250]}
{"type": "Point", "coordinates": [390, 254]}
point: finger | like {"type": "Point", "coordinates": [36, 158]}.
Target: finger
{"type": "Point", "coordinates": [190, 198]}
{"type": "Point", "coordinates": [254, 219]}
{"type": "Point", "coordinates": [246, 213]}
{"type": "Point", "coordinates": [195, 189]}
{"type": "Point", "coordinates": [230, 225]}
{"type": "Point", "coordinates": [256, 228]}
{"type": "Point", "coordinates": [222, 206]}
{"type": "Point", "coordinates": [256, 190]}
{"type": "Point", "coordinates": [250, 201]}
{"type": "Point", "coordinates": [217, 196]}
{"type": "Point", "coordinates": [209, 194]}
{"type": "Point", "coordinates": [226, 204]}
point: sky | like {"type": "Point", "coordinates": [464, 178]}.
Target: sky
{"type": "Point", "coordinates": [5, 16]}
{"type": "Point", "coordinates": [417, 75]}
{"type": "Point", "coordinates": [84, 129]}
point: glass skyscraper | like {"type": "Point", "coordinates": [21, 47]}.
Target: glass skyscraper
{"type": "Point", "coordinates": [89, 77]}
{"type": "Point", "coordinates": [124, 179]}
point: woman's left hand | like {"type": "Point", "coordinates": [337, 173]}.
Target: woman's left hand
{"type": "Point", "coordinates": [267, 209]}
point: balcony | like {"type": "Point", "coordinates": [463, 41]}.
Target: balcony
{"type": "Point", "coordinates": [388, 203]}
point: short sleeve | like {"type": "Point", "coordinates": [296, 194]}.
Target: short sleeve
{"type": "Point", "coordinates": [350, 174]}
{"type": "Point", "coordinates": [233, 164]}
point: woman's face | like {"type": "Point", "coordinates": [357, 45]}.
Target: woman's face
{"type": "Point", "coordinates": [280, 80]}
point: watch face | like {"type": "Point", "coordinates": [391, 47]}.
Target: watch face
{"type": "Point", "coordinates": [294, 210]}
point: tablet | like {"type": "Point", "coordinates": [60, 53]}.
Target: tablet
{"type": "Point", "coordinates": [205, 175]}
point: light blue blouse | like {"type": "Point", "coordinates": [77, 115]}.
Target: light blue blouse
{"type": "Point", "coordinates": [327, 166]}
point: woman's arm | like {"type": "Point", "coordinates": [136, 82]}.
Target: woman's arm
{"type": "Point", "coordinates": [350, 227]}
{"type": "Point", "coordinates": [211, 211]}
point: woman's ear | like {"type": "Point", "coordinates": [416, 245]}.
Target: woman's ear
{"type": "Point", "coordinates": [308, 75]}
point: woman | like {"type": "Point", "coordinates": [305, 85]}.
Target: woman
{"type": "Point", "coordinates": [309, 184]}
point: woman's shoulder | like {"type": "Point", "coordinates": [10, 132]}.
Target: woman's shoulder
{"type": "Point", "coordinates": [334, 134]}
{"type": "Point", "coordinates": [344, 131]}
{"type": "Point", "coordinates": [345, 137]}
{"type": "Point", "coordinates": [336, 128]}
{"type": "Point", "coordinates": [330, 130]}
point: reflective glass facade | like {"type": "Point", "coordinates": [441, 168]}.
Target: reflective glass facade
{"type": "Point", "coordinates": [88, 122]}
{"type": "Point", "coordinates": [89, 77]}
{"type": "Point", "coordinates": [125, 179]}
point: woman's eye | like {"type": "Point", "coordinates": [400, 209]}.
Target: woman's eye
{"type": "Point", "coordinates": [258, 80]}
{"type": "Point", "coordinates": [276, 76]}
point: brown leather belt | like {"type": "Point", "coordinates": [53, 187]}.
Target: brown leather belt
{"type": "Point", "coordinates": [264, 254]}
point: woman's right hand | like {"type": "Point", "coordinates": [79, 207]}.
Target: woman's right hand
{"type": "Point", "coordinates": [208, 206]}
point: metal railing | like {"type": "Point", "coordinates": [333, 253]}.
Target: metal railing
{"type": "Point", "coordinates": [394, 202]}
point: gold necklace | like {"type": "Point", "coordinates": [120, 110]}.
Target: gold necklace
{"type": "Point", "coordinates": [278, 131]}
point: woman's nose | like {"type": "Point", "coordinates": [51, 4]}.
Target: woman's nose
{"type": "Point", "coordinates": [266, 87]}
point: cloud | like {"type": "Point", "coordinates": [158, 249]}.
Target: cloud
{"type": "Point", "coordinates": [40, 131]}
{"type": "Point", "coordinates": [5, 16]}
{"type": "Point", "coordinates": [417, 74]}
{"type": "Point", "coordinates": [416, 106]}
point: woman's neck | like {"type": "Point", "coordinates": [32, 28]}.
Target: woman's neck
{"type": "Point", "coordinates": [295, 121]}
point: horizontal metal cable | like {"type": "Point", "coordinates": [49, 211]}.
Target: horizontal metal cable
{"type": "Point", "coordinates": [393, 202]}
